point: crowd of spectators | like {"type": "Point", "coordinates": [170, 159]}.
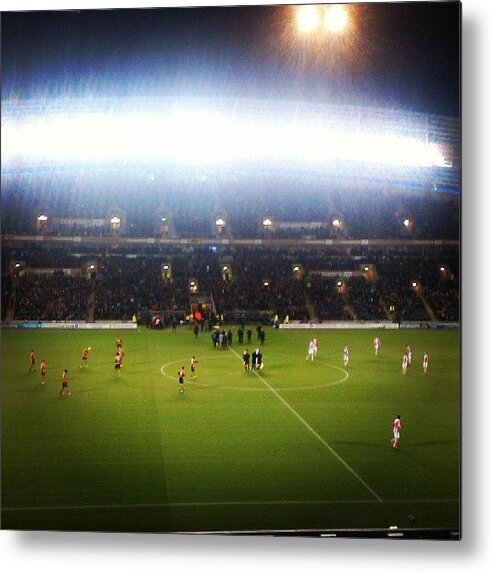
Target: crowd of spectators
{"type": "Point", "coordinates": [257, 280]}
{"type": "Point", "coordinates": [444, 301]}
{"type": "Point", "coordinates": [52, 297]}
{"type": "Point", "coordinates": [364, 297]}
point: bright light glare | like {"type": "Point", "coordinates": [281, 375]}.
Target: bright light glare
{"type": "Point", "coordinates": [308, 18]}
{"type": "Point", "coordinates": [196, 137]}
{"type": "Point", "coordinates": [336, 18]}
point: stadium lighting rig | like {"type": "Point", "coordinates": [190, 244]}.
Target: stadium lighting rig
{"type": "Point", "coordinates": [308, 18]}
{"type": "Point", "coordinates": [311, 18]}
{"type": "Point", "coordinates": [202, 137]}
{"type": "Point", "coordinates": [336, 18]}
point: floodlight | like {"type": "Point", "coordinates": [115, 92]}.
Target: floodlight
{"type": "Point", "coordinates": [336, 18]}
{"type": "Point", "coordinates": [308, 18]}
{"type": "Point", "coordinates": [201, 137]}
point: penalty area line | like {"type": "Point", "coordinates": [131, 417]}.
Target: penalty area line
{"type": "Point", "coordinates": [312, 430]}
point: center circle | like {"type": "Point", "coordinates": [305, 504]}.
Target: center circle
{"type": "Point", "coordinates": [236, 388]}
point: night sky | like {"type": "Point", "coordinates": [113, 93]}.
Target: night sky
{"type": "Point", "coordinates": [398, 55]}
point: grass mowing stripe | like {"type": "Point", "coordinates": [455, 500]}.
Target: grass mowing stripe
{"type": "Point", "coordinates": [230, 503]}
{"type": "Point", "coordinates": [161, 437]}
{"type": "Point", "coordinates": [312, 430]}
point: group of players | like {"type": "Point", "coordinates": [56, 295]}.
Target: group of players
{"type": "Point", "coordinates": [253, 362]}
{"type": "Point", "coordinates": [406, 358]}
{"type": "Point", "coordinates": [406, 361]}
{"type": "Point", "coordinates": [83, 364]}
{"type": "Point", "coordinates": [182, 373]}
{"type": "Point", "coordinates": [64, 379]}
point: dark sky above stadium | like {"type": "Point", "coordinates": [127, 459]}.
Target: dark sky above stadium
{"type": "Point", "coordinates": [404, 55]}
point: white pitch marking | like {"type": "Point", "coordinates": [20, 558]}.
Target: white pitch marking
{"type": "Point", "coordinates": [235, 388]}
{"type": "Point", "coordinates": [312, 430]}
{"type": "Point", "coordinates": [227, 503]}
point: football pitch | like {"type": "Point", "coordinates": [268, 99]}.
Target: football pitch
{"type": "Point", "coordinates": [297, 446]}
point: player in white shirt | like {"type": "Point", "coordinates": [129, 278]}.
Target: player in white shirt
{"type": "Point", "coordinates": [425, 363]}
{"type": "Point", "coordinates": [404, 364]}
{"type": "Point", "coordinates": [193, 366]}
{"type": "Point", "coordinates": [315, 347]}
{"type": "Point", "coordinates": [345, 356]}
{"type": "Point", "coordinates": [376, 345]}
{"type": "Point", "coordinates": [409, 354]}
{"type": "Point", "coordinates": [396, 430]}
{"type": "Point", "coordinates": [311, 351]}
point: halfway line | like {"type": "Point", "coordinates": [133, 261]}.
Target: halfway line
{"type": "Point", "coordinates": [312, 430]}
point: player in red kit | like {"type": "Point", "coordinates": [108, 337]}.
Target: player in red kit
{"type": "Point", "coordinates": [396, 429]}
{"type": "Point", "coordinates": [409, 354]}
{"type": "Point", "coordinates": [345, 356]}
{"type": "Point", "coordinates": [376, 345]}
{"type": "Point", "coordinates": [193, 366]}
{"type": "Point", "coordinates": [425, 363]}
{"type": "Point", "coordinates": [404, 364]}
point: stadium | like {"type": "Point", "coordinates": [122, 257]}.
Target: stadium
{"type": "Point", "coordinates": [167, 219]}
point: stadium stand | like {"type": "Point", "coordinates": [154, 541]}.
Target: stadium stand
{"type": "Point", "coordinates": [401, 236]}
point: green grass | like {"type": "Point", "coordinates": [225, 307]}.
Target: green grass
{"type": "Point", "coordinates": [301, 446]}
